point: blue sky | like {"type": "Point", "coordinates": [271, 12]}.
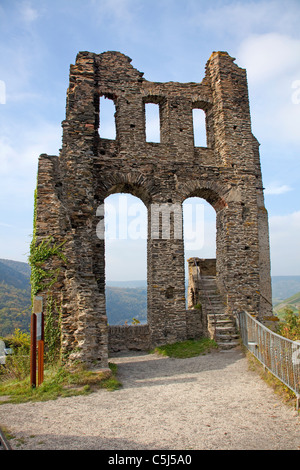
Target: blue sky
{"type": "Point", "coordinates": [168, 40]}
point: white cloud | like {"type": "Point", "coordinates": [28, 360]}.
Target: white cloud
{"type": "Point", "coordinates": [28, 14]}
{"type": "Point", "coordinates": [2, 224]}
{"type": "Point", "coordinates": [238, 19]}
{"type": "Point", "coordinates": [269, 56]}
{"type": "Point", "coordinates": [272, 62]}
{"type": "Point", "coordinates": [126, 260]}
{"type": "Point", "coordinates": [19, 155]}
{"type": "Point", "coordinates": [284, 242]}
{"type": "Point", "coordinates": [277, 189]}
{"type": "Point", "coordinates": [117, 11]}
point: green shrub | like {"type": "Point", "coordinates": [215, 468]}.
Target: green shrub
{"type": "Point", "coordinates": [17, 339]}
{"type": "Point", "coordinates": [289, 326]}
{"type": "Point", "coordinates": [17, 364]}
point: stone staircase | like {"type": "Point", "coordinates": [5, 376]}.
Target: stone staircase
{"type": "Point", "coordinates": [221, 326]}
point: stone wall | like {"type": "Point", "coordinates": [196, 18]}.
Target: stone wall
{"type": "Point", "coordinates": [196, 324]}
{"type": "Point", "coordinates": [226, 173]}
{"type": "Point", "coordinates": [198, 267]}
{"type": "Point", "coordinates": [129, 338]}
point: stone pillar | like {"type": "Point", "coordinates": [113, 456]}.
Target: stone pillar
{"type": "Point", "coordinates": [240, 234]}
{"type": "Point", "coordinates": [166, 277]}
{"type": "Point", "coordinates": [84, 308]}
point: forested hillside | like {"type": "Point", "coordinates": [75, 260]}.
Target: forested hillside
{"type": "Point", "coordinates": [284, 287]}
{"type": "Point", "coordinates": [293, 303]}
{"type": "Point", "coordinates": [124, 304]}
{"type": "Point", "coordinates": [124, 300]}
{"type": "Point", "coordinates": [14, 296]}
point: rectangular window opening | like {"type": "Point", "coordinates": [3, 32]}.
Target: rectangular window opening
{"type": "Point", "coordinates": [107, 118]}
{"type": "Point", "coordinates": [152, 122]}
{"type": "Point", "coordinates": [199, 126]}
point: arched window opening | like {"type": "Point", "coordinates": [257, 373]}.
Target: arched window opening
{"type": "Point", "coordinates": [199, 126]}
{"type": "Point", "coordinates": [152, 122]}
{"type": "Point", "coordinates": [125, 259]}
{"type": "Point", "coordinates": [107, 118]}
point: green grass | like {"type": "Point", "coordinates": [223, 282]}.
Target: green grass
{"type": "Point", "coordinates": [58, 382]}
{"type": "Point", "coordinates": [189, 348]}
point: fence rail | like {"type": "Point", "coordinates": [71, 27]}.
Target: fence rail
{"type": "Point", "coordinates": [281, 356]}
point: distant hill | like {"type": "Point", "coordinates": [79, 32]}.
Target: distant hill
{"type": "Point", "coordinates": [127, 284]}
{"type": "Point", "coordinates": [125, 300]}
{"type": "Point", "coordinates": [292, 302]}
{"type": "Point", "coordinates": [284, 287]}
{"type": "Point", "coordinates": [124, 304]}
{"type": "Point", "coordinates": [19, 266]}
{"type": "Point", "coordinates": [15, 273]}
{"type": "Point", "coordinates": [15, 300]}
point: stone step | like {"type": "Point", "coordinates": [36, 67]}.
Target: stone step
{"type": "Point", "coordinates": [208, 288]}
{"type": "Point", "coordinates": [220, 317]}
{"type": "Point", "coordinates": [228, 345]}
{"type": "Point", "coordinates": [211, 309]}
{"type": "Point", "coordinates": [211, 297]}
{"type": "Point", "coordinates": [210, 294]}
{"type": "Point", "coordinates": [226, 339]}
{"type": "Point", "coordinates": [226, 336]}
{"type": "Point", "coordinates": [226, 327]}
{"type": "Point", "coordinates": [215, 311]}
{"type": "Point", "coordinates": [215, 305]}
{"type": "Point", "coordinates": [221, 325]}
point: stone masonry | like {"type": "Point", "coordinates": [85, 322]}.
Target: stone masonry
{"type": "Point", "coordinates": [72, 186]}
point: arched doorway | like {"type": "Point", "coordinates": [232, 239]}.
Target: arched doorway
{"type": "Point", "coordinates": [125, 218]}
{"type": "Point", "coordinates": [199, 228]}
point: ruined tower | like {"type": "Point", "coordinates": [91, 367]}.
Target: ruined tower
{"type": "Point", "coordinates": [72, 186]}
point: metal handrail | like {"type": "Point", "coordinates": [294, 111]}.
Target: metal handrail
{"type": "Point", "coordinates": [280, 355]}
{"type": "Point", "coordinates": [4, 444]}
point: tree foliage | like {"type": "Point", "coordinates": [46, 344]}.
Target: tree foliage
{"type": "Point", "coordinates": [289, 326]}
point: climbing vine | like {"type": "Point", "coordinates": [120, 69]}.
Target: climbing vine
{"type": "Point", "coordinates": [52, 331]}
{"type": "Point", "coordinates": [43, 279]}
{"type": "Point", "coordinates": [39, 253]}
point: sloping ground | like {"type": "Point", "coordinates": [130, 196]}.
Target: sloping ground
{"type": "Point", "coordinates": [206, 402]}
{"type": "Point", "coordinates": [292, 302]}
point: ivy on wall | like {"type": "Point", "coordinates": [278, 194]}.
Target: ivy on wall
{"type": "Point", "coordinates": [42, 279]}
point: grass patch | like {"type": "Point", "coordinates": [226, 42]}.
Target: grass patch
{"type": "Point", "coordinates": [185, 349]}
{"type": "Point", "coordinates": [59, 382]}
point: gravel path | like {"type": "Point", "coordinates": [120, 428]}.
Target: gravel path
{"type": "Point", "coordinates": [202, 403]}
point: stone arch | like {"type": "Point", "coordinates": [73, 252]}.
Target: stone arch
{"type": "Point", "coordinates": [212, 192]}
{"type": "Point", "coordinates": [134, 183]}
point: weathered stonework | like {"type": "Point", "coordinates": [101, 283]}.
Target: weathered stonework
{"type": "Point", "coordinates": [129, 338]}
{"type": "Point", "coordinates": [226, 173]}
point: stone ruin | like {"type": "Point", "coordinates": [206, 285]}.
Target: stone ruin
{"type": "Point", "coordinates": [226, 173]}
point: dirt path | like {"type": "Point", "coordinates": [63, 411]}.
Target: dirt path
{"type": "Point", "coordinates": [207, 402]}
